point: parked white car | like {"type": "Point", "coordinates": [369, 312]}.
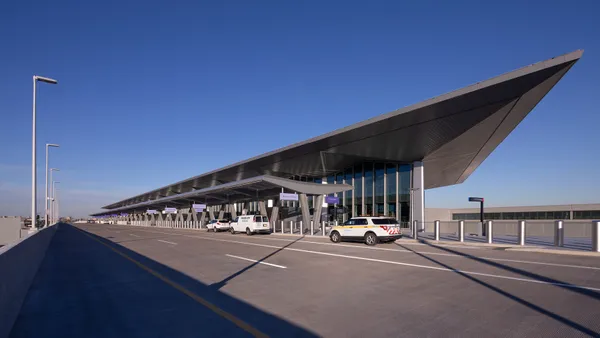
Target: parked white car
{"type": "Point", "coordinates": [218, 225]}
{"type": "Point", "coordinates": [370, 230]}
{"type": "Point", "coordinates": [250, 224]}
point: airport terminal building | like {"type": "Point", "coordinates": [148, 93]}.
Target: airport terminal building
{"type": "Point", "coordinates": [377, 167]}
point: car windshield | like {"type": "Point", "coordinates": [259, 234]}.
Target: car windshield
{"type": "Point", "coordinates": [382, 221]}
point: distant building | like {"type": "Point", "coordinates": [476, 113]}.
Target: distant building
{"type": "Point", "coordinates": [540, 212]}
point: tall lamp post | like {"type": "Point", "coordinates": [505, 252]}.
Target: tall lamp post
{"type": "Point", "coordinates": [51, 198]}
{"type": "Point", "coordinates": [46, 219]}
{"type": "Point", "coordinates": [33, 159]}
{"type": "Point", "coordinates": [54, 201]}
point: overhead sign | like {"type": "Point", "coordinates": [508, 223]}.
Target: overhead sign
{"type": "Point", "coordinates": [475, 199]}
{"type": "Point", "coordinates": [151, 211]}
{"type": "Point", "coordinates": [171, 210]}
{"type": "Point", "coordinates": [199, 207]}
{"type": "Point", "coordinates": [288, 197]}
{"type": "Point", "coordinates": [124, 214]}
{"type": "Point", "coordinates": [332, 200]}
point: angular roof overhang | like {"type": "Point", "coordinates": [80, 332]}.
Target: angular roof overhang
{"type": "Point", "coordinates": [250, 189]}
{"type": "Point", "coordinates": [451, 133]}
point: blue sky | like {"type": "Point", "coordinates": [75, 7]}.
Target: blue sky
{"type": "Point", "coordinates": [150, 92]}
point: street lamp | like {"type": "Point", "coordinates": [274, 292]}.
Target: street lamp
{"type": "Point", "coordinates": [54, 201]}
{"type": "Point", "coordinates": [50, 199]}
{"type": "Point", "coordinates": [33, 159]}
{"type": "Point", "coordinates": [48, 145]}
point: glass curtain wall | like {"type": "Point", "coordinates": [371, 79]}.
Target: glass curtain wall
{"type": "Point", "coordinates": [391, 192]}
{"type": "Point", "coordinates": [404, 176]}
{"type": "Point", "coordinates": [348, 195]}
{"type": "Point", "coordinates": [358, 191]}
{"type": "Point", "coordinates": [368, 189]}
{"type": "Point", "coordinates": [379, 190]}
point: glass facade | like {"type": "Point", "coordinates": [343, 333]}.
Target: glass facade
{"type": "Point", "coordinates": [379, 180]}
{"type": "Point", "coordinates": [368, 189]}
{"type": "Point", "coordinates": [390, 189]}
{"type": "Point", "coordinates": [380, 189]}
{"type": "Point", "coordinates": [358, 190]}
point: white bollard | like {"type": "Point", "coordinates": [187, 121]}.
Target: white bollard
{"type": "Point", "coordinates": [415, 231]}
{"type": "Point", "coordinates": [436, 230]}
{"type": "Point", "coordinates": [301, 228]}
{"type": "Point", "coordinates": [559, 234]}
{"type": "Point", "coordinates": [291, 227]}
{"type": "Point", "coordinates": [461, 231]}
{"type": "Point", "coordinates": [312, 228]}
{"type": "Point", "coordinates": [521, 232]}
{"type": "Point", "coordinates": [323, 229]}
{"type": "Point", "coordinates": [489, 232]}
{"type": "Point", "coordinates": [281, 227]}
{"type": "Point", "coordinates": [596, 236]}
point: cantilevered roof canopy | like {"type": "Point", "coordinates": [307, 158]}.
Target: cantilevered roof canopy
{"type": "Point", "coordinates": [250, 189]}
{"type": "Point", "coordinates": [452, 134]}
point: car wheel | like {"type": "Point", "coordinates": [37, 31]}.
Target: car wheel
{"type": "Point", "coordinates": [207, 229]}
{"type": "Point", "coordinates": [232, 231]}
{"type": "Point", "coordinates": [370, 239]}
{"type": "Point", "coordinates": [335, 237]}
{"type": "Point", "coordinates": [248, 232]}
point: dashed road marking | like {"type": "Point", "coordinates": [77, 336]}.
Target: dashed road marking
{"type": "Point", "coordinates": [255, 261]}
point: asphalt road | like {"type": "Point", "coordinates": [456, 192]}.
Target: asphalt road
{"type": "Point", "coordinates": [130, 281]}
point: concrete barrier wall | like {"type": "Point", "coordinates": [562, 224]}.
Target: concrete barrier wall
{"type": "Point", "coordinates": [544, 228]}
{"type": "Point", "coordinates": [10, 230]}
{"type": "Point", "coordinates": [19, 263]}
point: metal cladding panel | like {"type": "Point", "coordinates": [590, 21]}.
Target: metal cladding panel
{"type": "Point", "coordinates": [452, 133]}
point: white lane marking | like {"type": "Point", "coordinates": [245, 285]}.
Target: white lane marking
{"type": "Point", "coordinates": [134, 235]}
{"type": "Point", "coordinates": [528, 280]}
{"type": "Point", "coordinates": [255, 261]}
{"type": "Point", "coordinates": [424, 252]}
{"type": "Point", "coordinates": [160, 240]}
{"type": "Point", "coordinates": [432, 253]}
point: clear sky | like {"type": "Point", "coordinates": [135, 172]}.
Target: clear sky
{"type": "Point", "coordinates": [152, 92]}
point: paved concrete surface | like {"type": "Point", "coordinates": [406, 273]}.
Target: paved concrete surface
{"type": "Point", "coordinates": [308, 286]}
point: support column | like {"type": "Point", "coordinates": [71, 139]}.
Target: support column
{"type": "Point", "coordinates": [222, 211]}
{"type": "Point", "coordinates": [232, 211]}
{"type": "Point", "coordinates": [275, 214]}
{"type": "Point", "coordinates": [202, 217]}
{"type": "Point", "coordinates": [262, 208]}
{"type": "Point", "coordinates": [418, 194]}
{"type": "Point", "coordinates": [318, 207]}
{"type": "Point", "coordinates": [211, 213]}
{"type": "Point", "coordinates": [303, 199]}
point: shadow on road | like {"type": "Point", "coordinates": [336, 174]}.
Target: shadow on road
{"type": "Point", "coordinates": [226, 280]}
{"type": "Point", "coordinates": [519, 300]}
{"type": "Point", "coordinates": [88, 286]}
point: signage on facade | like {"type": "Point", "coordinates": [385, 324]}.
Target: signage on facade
{"type": "Point", "coordinates": [332, 200]}
{"type": "Point", "coordinates": [198, 207]}
{"type": "Point", "coordinates": [171, 210]}
{"type": "Point", "coordinates": [124, 214]}
{"type": "Point", "coordinates": [288, 197]}
{"type": "Point", "coordinates": [151, 211]}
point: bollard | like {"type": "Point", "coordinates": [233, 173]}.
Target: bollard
{"type": "Point", "coordinates": [559, 234]}
{"type": "Point", "coordinates": [521, 232]}
{"type": "Point", "coordinates": [415, 231]}
{"type": "Point", "coordinates": [312, 228]}
{"type": "Point", "coordinates": [323, 228]}
{"type": "Point", "coordinates": [461, 231]}
{"type": "Point", "coordinates": [291, 227]}
{"type": "Point", "coordinates": [488, 231]}
{"type": "Point", "coordinates": [281, 227]}
{"type": "Point", "coordinates": [596, 236]}
{"type": "Point", "coordinates": [301, 228]}
{"type": "Point", "coordinates": [436, 230]}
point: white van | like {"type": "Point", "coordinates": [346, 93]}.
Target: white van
{"type": "Point", "coordinates": [250, 224]}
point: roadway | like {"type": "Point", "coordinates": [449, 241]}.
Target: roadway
{"type": "Point", "coordinates": [112, 280]}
